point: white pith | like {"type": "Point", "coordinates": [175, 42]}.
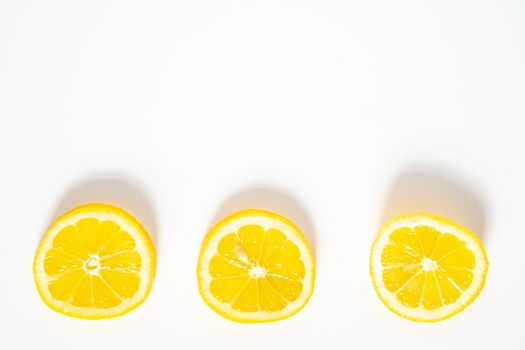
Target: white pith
{"type": "Point", "coordinates": [257, 272]}
{"type": "Point", "coordinates": [428, 264]}
{"type": "Point", "coordinates": [92, 264]}
{"type": "Point", "coordinates": [420, 313]}
{"type": "Point", "coordinates": [267, 222]}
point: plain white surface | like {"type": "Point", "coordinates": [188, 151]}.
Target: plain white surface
{"type": "Point", "coordinates": [334, 113]}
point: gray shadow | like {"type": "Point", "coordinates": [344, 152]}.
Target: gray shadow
{"type": "Point", "coordinates": [424, 190]}
{"type": "Point", "coordinates": [273, 200]}
{"type": "Point", "coordinates": [111, 190]}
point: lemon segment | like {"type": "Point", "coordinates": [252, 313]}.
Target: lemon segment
{"type": "Point", "coordinates": [425, 268]}
{"type": "Point", "coordinates": [94, 262]}
{"type": "Point", "coordinates": [255, 266]}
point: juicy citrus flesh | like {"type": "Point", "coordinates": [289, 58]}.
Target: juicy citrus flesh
{"type": "Point", "coordinates": [255, 266]}
{"type": "Point", "coordinates": [426, 268]}
{"type": "Point", "coordinates": [95, 261]}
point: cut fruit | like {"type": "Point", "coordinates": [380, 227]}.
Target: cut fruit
{"type": "Point", "coordinates": [255, 266]}
{"type": "Point", "coordinates": [94, 262]}
{"type": "Point", "coordinates": [425, 268]}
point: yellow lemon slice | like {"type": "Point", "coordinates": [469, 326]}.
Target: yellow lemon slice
{"type": "Point", "coordinates": [95, 261]}
{"type": "Point", "coordinates": [425, 268]}
{"type": "Point", "coordinates": [255, 266]}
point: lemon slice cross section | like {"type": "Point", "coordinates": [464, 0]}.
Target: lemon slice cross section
{"type": "Point", "coordinates": [94, 262]}
{"type": "Point", "coordinates": [426, 268]}
{"type": "Point", "coordinates": [255, 266]}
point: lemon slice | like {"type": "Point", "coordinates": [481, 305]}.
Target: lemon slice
{"type": "Point", "coordinates": [255, 266]}
{"type": "Point", "coordinates": [425, 268]}
{"type": "Point", "coordinates": [95, 261]}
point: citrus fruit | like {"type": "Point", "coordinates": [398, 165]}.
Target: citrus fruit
{"type": "Point", "coordinates": [255, 266]}
{"type": "Point", "coordinates": [425, 268]}
{"type": "Point", "coordinates": [95, 261]}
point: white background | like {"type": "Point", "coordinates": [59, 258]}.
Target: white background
{"type": "Point", "coordinates": [337, 114]}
